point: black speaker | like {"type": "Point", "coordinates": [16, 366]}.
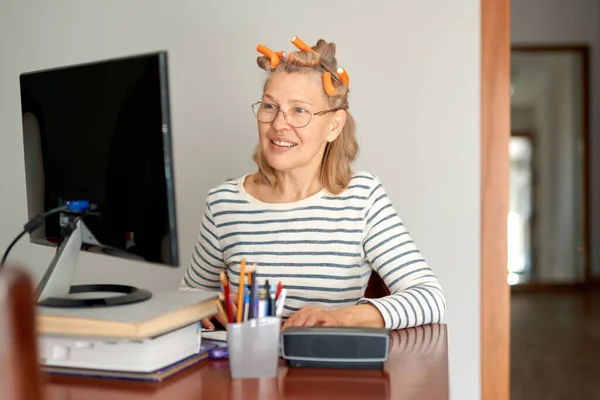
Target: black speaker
{"type": "Point", "coordinates": [335, 347]}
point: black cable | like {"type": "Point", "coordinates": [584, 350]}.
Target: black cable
{"type": "Point", "coordinates": [29, 227]}
{"type": "Point", "coordinates": [10, 246]}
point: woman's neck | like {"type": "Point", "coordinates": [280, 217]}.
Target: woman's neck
{"type": "Point", "coordinates": [293, 186]}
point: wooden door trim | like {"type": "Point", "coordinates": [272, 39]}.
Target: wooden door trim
{"type": "Point", "coordinates": [495, 163]}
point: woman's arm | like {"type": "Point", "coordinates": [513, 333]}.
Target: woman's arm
{"type": "Point", "coordinates": [416, 296]}
{"type": "Point", "coordinates": [206, 263]}
{"type": "Point", "coordinates": [360, 315]}
{"type": "Point", "coordinates": [207, 259]}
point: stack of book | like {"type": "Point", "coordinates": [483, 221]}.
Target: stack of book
{"type": "Point", "coordinates": [150, 340]}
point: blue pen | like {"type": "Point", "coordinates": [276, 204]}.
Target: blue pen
{"type": "Point", "coordinates": [254, 299]}
{"type": "Point", "coordinates": [246, 302]}
{"type": "Point", "coordinates": [268, 290]}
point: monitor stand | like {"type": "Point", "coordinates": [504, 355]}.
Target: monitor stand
{"type": "Point", "coordinates": [55, 286]}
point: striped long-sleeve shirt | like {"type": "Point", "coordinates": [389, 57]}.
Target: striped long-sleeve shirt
{"type": "Point", "coordinates": [322, 248]}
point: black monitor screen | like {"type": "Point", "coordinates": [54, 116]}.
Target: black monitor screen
{"type": "Point", "coordinates": [101, 132]}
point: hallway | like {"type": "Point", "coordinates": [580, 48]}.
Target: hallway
{"type": "Point", "coordinates": [555, 345]}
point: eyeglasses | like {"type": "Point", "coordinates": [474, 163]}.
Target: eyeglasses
{"type": "Point", "coordinates": [296, 117]}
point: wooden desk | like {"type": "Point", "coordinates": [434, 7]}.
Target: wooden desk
{"type": "Point", "coordinates": [417, 368]}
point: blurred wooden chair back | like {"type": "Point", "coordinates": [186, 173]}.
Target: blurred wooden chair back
{"type": "Point", "coordinates": [376, 288]}
{"type": "Point", "coordinates": [21, 377]}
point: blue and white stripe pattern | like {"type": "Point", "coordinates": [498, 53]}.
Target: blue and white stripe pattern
{"type": "Point", "coordinates": [322, 248]}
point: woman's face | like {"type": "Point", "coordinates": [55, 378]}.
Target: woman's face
{"type": "Point", "coordinates": [288, 148]}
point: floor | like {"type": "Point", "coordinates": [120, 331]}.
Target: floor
{"type": "Point", "coordinates": [555, 346]}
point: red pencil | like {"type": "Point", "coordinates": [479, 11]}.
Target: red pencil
{"type": "Point", "coordinates": [225, 284]}
{"type": "Point", "coordinates": [278, 292]}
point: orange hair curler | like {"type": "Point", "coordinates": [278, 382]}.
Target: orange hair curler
{"type": "Point", "coordinates": [328, 84]}
{"type": "Point", "coordinates": [281, 54]}
{"type": "Point", "coordinates": [301, 45]}
{"type": "Point", "coordinates": [343, 76]}
{"type": "Point", "coordinates": [269, 53]}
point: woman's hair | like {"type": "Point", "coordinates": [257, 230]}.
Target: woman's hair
{"type": "Point", "coordinates": [340, 153]}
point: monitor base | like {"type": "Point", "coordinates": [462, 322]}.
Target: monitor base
{"type": "Point", "coordinates": [55, 286]}
{"type": "Point", "coordinates": [129, 295]}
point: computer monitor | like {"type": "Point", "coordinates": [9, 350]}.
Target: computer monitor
{"type": "Point", "coordinates": [100, 132]}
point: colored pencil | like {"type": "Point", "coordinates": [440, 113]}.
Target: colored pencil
{"type": "Point", "coordinates": [220, 303]}
{"type": "Point", "coordinates": [240, 305]}
{"type": "Point", "coordinates": [227, 294]}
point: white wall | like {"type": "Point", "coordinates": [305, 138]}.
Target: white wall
{"type": "Point", "coordinates": [415, 81]}
{"type": "Point", "coordinates": [569, 21]}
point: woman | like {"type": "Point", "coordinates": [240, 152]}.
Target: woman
{"type": "Point", "coordinates": [305, 218]}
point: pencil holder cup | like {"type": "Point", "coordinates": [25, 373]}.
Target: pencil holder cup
{"type": "Point", "coordinates": [253, 347]}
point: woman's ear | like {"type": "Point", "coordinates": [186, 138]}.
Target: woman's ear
{"type": "Point", "coordinates": [337, 123]}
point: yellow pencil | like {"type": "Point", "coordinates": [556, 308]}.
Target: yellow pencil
{"type": "Point", "coordinates": [240, 305]}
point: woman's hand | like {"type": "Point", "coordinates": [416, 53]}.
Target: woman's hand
{"type": "Point", "coordinates": [207, 324]}
{"type": "Point", "coordinates": [310, 316]}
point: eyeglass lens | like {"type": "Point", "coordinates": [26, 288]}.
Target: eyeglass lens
{"type": "Point", "coordinates": [295, 116]}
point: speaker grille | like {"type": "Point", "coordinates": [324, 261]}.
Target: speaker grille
{"type": "Point", "coordinates": [334, 346]}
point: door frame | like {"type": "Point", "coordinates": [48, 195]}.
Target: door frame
{"type": "Point", "coordinates": [587, 281]}
{"type": "Point", "coordinates": [495, 165]}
